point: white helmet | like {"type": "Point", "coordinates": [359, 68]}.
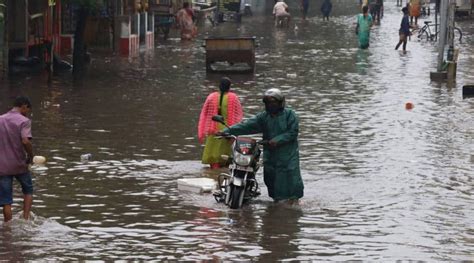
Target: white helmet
{"type": "Point", "coordinates": [276, 94]}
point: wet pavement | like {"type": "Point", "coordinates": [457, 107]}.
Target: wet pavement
{"type": "Point", "coordinates": [381, 182]}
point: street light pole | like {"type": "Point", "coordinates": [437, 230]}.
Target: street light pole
{"type": "Point", "coordinates": [442, 33]}
{"type": "Point", "coordinates": [451, 58]}
{"type": "Point", "coordinates": [451, 9]}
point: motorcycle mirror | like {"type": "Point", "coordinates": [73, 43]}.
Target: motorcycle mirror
{"type": "Point", "coordinates": [225, 157]}
{"type": "Point", "coordinates": [218, 118]}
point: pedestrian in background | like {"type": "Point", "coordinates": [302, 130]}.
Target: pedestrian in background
{"type": "Point", "coordinates": [415, 11]}
{"type": "Point", "coordinates": [226, 104]}
{"type": "Point", "coordinates": [281, 13]}
{"type": "Point", "coordinates": [372, 8]}
{"type": "Point", "coordinates": [376, 10]}
{"type": "Point", "coordinates": [404, 31]}
{"type": "Point", "coordinates": [364, 23]}
{"type": "Point", "coordinates": [326, 9]}
{"type": "Point", "coordinates": [185, 21]}
{"type": "Point", "coordinates": [304, 8]}
{"type": "Point", "coordinates": [16, 152]}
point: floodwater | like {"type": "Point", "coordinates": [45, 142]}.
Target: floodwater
{"type": "Point", "coordinates": [381, 182]}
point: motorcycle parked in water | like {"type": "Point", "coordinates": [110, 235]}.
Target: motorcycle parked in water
{"type": "Point", "coordinates": [239, 185]}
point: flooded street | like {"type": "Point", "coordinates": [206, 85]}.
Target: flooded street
{"type": "Point", "coordinates": [381, 183]}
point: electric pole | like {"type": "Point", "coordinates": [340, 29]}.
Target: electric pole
{"type": "Point", "coordinates": [442, 33]}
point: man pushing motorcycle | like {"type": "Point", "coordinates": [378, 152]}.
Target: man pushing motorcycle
{"type": "Point", "coordinates": [281, 164]}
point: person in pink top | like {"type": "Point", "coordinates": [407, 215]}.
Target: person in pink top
{"type": "Point", "coordinates": [185, 22]}
{"type": "Point", "coordinates": [16, 152]}
{"type": "Point", "coordinates": [224, 103]}
{"type": "Point", "coordinates": [280, 13]}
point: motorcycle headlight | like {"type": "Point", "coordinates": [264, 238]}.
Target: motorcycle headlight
{"type": "Point", "coordinates": [241, 159]}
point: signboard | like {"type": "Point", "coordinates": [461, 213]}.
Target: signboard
{"type": "Point", "coordinates": [51, 2]}
{"type": "Point", "coordinates": [229, 6]}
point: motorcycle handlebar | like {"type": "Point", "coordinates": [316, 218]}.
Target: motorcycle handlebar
{"type": "Point", "coordinates": [230, 136]}
{"type": "Point", "coordinates": [225, 136]}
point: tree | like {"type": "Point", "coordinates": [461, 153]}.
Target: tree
{"type": "Point", "coordinates": [84, 8]}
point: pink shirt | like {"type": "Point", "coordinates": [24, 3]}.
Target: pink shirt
{"type": "Point", "coordinates": [13, 127]}
{"type": "Point", "coordinates": [280, 9]}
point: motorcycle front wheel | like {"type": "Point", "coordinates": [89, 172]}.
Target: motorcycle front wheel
{"type": "Point", "coordinates": [237, 197]}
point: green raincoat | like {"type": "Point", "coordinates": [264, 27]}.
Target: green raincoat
{"type": "Point", "coordinates": [281, 164]}
{"type": "Point", "coordinates": [363, 30]}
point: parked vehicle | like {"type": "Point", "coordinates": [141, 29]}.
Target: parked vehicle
{"type": "Point", "coordinates": [428, 32]}
{"type": "Point", "coordinates": [239, 185]}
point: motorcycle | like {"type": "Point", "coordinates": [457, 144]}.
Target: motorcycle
{"type": "Point", "coordinates": [239, 185]}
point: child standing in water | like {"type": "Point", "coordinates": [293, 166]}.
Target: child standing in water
{"type": "Point", "coordinates": [404, 30]}
{"type": "Point", "coordinates": [326, 8]}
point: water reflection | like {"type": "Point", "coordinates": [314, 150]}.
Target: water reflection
{"type": "Point", "coordinates": [280, 229]}
{"type": "Point", "coordinates": [362, 61]}
{"type": "Point", "coordinates": [39, 235]}
{"type": "Point", "coordinates": [11, 251]}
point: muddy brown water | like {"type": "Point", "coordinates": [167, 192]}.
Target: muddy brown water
{"type": "Point", "coordinates": [381, 182]}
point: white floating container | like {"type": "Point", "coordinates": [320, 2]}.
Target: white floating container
{"type": "Point", "coordinates": [38, 159]}
{"type": "Point", "coordinates": [196, 185]}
